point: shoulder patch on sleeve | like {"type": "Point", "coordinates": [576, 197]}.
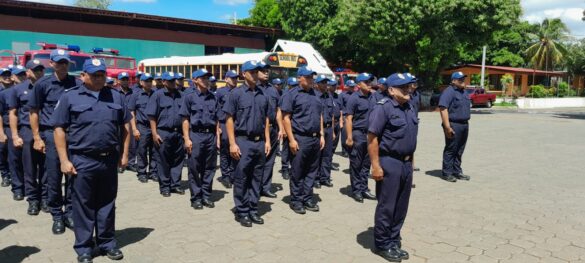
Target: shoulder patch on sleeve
{"type": "Point", "coordinates": [382, 101]}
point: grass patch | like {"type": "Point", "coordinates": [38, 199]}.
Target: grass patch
{"type": "Point", "coordinates": [505, 104]}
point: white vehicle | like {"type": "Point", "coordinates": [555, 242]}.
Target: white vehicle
{"type": "Point", "coordinates": [283, 64]}
{"type": "Point", "coordinates": [314, 59]}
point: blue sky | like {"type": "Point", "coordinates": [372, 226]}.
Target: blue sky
{"type": "Point", "coordinates": [570, 11]}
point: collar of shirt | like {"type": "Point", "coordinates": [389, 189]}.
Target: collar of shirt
{"type": "Point", "coordinates": [395, 103]}
{"type": "Point", "coordinates": [310, 91]}
{"type": "Point", "coordinates": [201, 94]}
{"type": "Point", "coordinates": [55, 79]}
{"type": "Point", "coordinates": [144, 92]}
{"type": "Point", "coordinates": [168, 92]}
{"type": "Point", "coordinates": [249, 89]}
{"type": "Point", "coordinates": [85, 90]}
{"type": "Point", "coordinates": [361, 94]}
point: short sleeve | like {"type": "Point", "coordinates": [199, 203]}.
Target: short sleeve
{"type": "Point", "coordinates": [446, 98]}
{"type": "Point", "coordinates": [377, 120]}
{"type": "Point", "coordinates": [231, 103]}
{"type": "Point", "coordinates": [61, 115]}
{"type": "Point", "coordinates": [37, 99]}
{"type": "Point", "coordinates": [286, 105]}
{"type": "Point", "coordinates": [152, 107]}
{"type": "Point", "coordinates": [351, 104]}
{"type": "Point", "coordinates": [132, 101]}
{"type": "Point", "coordinates": [184, 111]}
{"type": "Point", "coordinates": [12, 98]}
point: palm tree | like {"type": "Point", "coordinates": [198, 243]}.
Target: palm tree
{"type": "Point", "coordinates": [548, 49]}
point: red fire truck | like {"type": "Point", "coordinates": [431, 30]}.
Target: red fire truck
{"type": "Point", "coordinates": [342, 75]}
{"type": "Point", "coordinates": [116, 64]}
{"type": "Point", "coordinates": [43, 54]}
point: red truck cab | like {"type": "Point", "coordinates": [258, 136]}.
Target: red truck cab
{"type": "Point", "coordinates": [116, 64]}
{"type": "Point", "coordinates": [342, 75]}
{"type": "Point", "coordinates": [75, 53]}
{"type": "Point", "coordinates": [479, 97]}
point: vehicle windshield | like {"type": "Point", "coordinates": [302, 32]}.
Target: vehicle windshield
{"type": "Point", "coordinates": [469, 91]}
{"type": "Point", "coordinates": [124, 63]}
{"type": "Point", "coordinates": [75, 66]}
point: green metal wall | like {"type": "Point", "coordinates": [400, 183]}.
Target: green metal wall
{"type": "Point", "coordinates": [139, 49]}
{"type": "Point", "coordinates": [241, 50]}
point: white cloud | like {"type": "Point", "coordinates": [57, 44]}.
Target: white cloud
{"type": "Point", "coordinates": [231, 2]}
{"type": "Point", "coordinates": [569, 11]}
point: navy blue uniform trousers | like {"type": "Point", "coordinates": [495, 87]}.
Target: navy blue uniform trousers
{"type": "Point", "coordinates": [202, 162]}
{"type": "Point", "coordinates": [359, 162]}
{"type": "Point", "coordinates": [270, 160]}
{"type": "Point", "coordinates": [59, 200]}
{"type": "Point", "coordinates": [171, 154]}
{"type": "Point", "coordinates": [393, 194]}
{"type": "Point", "coordinates": [4, 171]}
{"type": "Point", "coordinates": [145, 152]}
{"type": "Point", "coordinates": [305, 167]}
{"type": "Point", "coordinates": [454, 147]}
{"type": "Point", "coordinates": [226, 163]}
{"type": "Point", "coordinates": [14, 164]}
{"type": "Point", "coordinates": [248, 175]}
{"type": "Point", "coordinates": [326, 156]}
{"type": "Point", "coordinates": [337, 132]}
{"type": "Point", "coordinates": [95, 188]}
{"type": "Point", "coordinates": [33, 163]}
{"type": "Point", "coordinates": [285, 156]}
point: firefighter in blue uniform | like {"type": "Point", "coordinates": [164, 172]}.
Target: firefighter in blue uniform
{"type": "Point", "coordinates": [226, 163]}
{"type": "Point", "coordinates": [328, 104]}
{"type": "Point", "coordinates": [277, 84]}
{"type": "Point", "coordinates": [345, 95]}
{"type": "Point", "coordinates": [249, 138]}
{"type": "Point", "coordinates": [455, 115]}
{"type": "Point", "coordinates": [127, 91]}
{"type": "Point", "coordinates": [163, 112]}
{"type": "Point", "coordinates": [5, 83]}
{"type": "Point", "coordinates": [200, 133]}
{"type": "Point", "coordinates": [303, 122]}
{"type": "Point", "coordinates": [46, 93]}
{"type": "Point", "coordinates": [415, 101]}
{"type": "Point", "coordinates": [22, 139]}
{"type": "Point", "coordinates": [137, 87]}
{"type": "Point", "coordinates": [14, 153]}
{"type": "Point", "coordinates": [180, 81]}
{"type": "Point", "coordinates": [286, 156]}
{"type": "Point", "coordinates": [145, 152]}
{"type": "Point", "coordinates": [357, 112]}
{"type": "Point", "coordinates": [212, 84]}
{"type": "Point", "coordinates": [382, 91]}
{"type": "Point", "coordinates": [273, 97]}
{"type": "Point", "coordinates": [392, 135]}
{"type": "Point", "coordinates": [337, 118]}
{"type": "Point", "coordinates": [88, 120]}
{"type": "Point", "coordinates": [158, 81]}
{"type": "Point", "coordinates": [110, 82]}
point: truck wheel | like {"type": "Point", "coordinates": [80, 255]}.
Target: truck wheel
{"type": "Point", "coordinates": [489, 104]}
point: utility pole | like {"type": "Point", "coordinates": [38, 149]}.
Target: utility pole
{"type": "Point", "coordinates": [483, 66]}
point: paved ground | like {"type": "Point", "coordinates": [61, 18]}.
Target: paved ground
{"type": "Point", "coordinates": [525, 203]}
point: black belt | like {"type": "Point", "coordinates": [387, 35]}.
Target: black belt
{"type": "Point", "coordinates": [95, 154]}
{"type": "Point", "coordinates": [403, 158]}
{"type": "Point", "coordinates": [460, 122]}
{"type": "Point", "coordinates": [309, 134]}
{"type": "Point", "coordinates": [255, 138]}
{"type": "Point", "coordinates": [170, 129]}
{"type": "Point", "coordinates": [143, 124]}
{"type": "Point", "coordinates": [362, 130]}
{"type": "Point", "coordinates": [203, 129]}
{"type": "Point", "coordinates": [45, 127]}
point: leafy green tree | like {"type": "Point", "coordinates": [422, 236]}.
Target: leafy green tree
{"type": "Point", "coordinates": [265, 13]}
{"type": "Point", "coordinates": [575, 61]}
{"type": "Point", "coordinates": [97, 4]}
{"type": "Point", "coordinates": [548, 49]}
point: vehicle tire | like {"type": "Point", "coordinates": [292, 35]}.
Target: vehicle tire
{"type": "Point", "coordinates": [489, 104]}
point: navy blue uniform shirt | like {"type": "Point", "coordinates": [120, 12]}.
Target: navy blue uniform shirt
{"type": "Point", "coordinates": [201, 109]}
{"type": "Point", "coordinates": [415, 101]}
{"type": "Point", "coordinates": [359, 105]}
{"type": "Point", "coordinates": [46, 93]}
{"type": "Point", "coordinates": [395, 126]}
{"type": "Point", "coordinates": [457, 103]}
{"type": "Point", "coordinates": [4, 105]}
{"type": "Point", "coordinates": [328, 107]}
{"type": "Point", "coordinates": [17, 98]}
{"type": "Point", "coordinates": [92, 123]}
{"type": "Point", "coordinates": [164, 106]}
{"type": "Point", "coordinates": [273, 98]}
{"type": "Point", "coordinates": [305, 108]}
{"type": "Point", "coordinates": [344, 98]}
{"type": "Point", "coordinates": [249, 108]}
{"type": "Point", "coordinates": [138, 103]}
{"type": "Point", "coordinates": [378, 95]}
{"type": "Point", "coordinates": [222, 96]}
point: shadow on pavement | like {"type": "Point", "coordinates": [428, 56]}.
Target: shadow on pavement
{"type": "Point", "coordinates": [346, 190]}
{"type": "Point", "coordinates": [573, 116]}
{"type": "Point", "coordinates": [6, 222]}
{"type": "Point", "coordinates": [434, 173]}
{"type": "Point", "coordinates": [366, 239]}
{"type": "Point", "coordinates": [264, 207]}
{"type": "Point", "coordinates": [482, 112]}
{"type": "Point", "coordinates": [346, 171]}
{"type": "Point", "coordinates": [276, 187]}
{"type": "Point", "coordinates": [17, 253]}
{"type": "Point", "coordinates": [132, 235]}
{"type": "Point", "coordinates": [217, 195]}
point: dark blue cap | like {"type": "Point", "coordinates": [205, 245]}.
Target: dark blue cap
{"type": "Point", "coordinates": [60, 54]}
{"type": "Point", "coordinates": [146, 76]}
{"type": "Point", "coordinates": [109, 80]}
{"type": "Point", "coordinates": [321, 78]}
{"type": "Point", "coordinates": [458, 75]}
{"type": "Point", "coordinates": [158, 76]}
{"type": "Point", "coordinates": [250, 65]}
{"type": "Point", "coordinates": [169, 76]}
{"type": "Point", "coordinates": [276, 81]}
{"type": "Point", "coordinates": [292, 81]}
{"type": "Point", "coordinates": [397, 79]}
{"type": "Point", "coordinates": [382, 81]}
{"type": "Point", "coordinates": [305, 71]}
{"type": "Point", "coordinates": [180, 75]}
{"type": "Point", "coordinates": [4, 70]}
{"type": "Point", "coordinates": [350, 83]}
{"type": "Point", "coordinates": [34, 63]}
{"type": "Point", "coordinates": [412, 78]}
{"type": "Point", "coordinates": [332, 83]}
{"type": "Point", "coordinates": [139, 74]}
{"type": "Point", "coordinates": [94, 65]}
{"type": "Point", "coordinates": [18, 70]}
{"type": "Point", "coordinates": [212, 79]}
{"type": "Point", "coordinates": [364, 77]}
{"type": "Point", "coordinates": [201, 73]}
{"type": "Point", "coordinates": [263, 65]}
{"type": "Point", "coordinates": [231, 74]}
{"type": "Point", "coordinates": [122, 75]}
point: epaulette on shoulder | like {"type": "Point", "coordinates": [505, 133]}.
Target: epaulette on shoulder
{"type": "Point", "coordinates": [382, 101]}
{"type": "Point", "coordinates": [72, 88]}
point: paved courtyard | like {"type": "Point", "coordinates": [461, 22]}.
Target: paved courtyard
{"type": "Point", "coordinates": [525, 203]}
